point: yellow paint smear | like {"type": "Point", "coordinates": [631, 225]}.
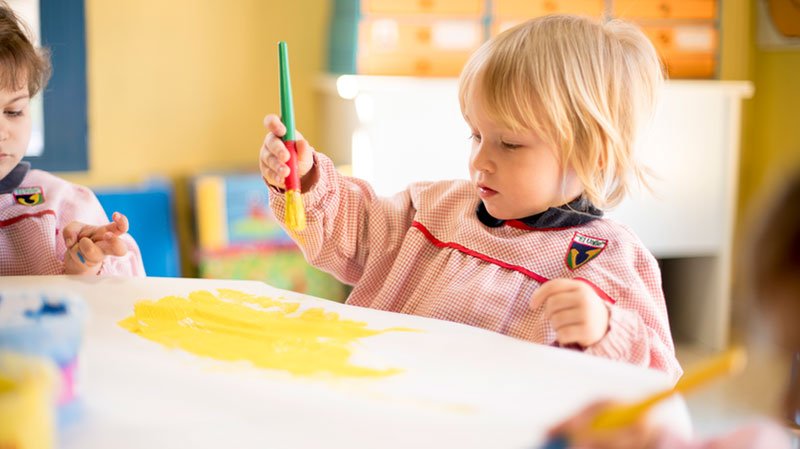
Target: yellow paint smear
{"type": "Point", "coordinates": [270, 333]}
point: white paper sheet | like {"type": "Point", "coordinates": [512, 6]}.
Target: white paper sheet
{"type": "Point", "coordinates": [462, 387]}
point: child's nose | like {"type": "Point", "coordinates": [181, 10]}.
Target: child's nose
{"type": "Point", "coordinates": [480, 160]}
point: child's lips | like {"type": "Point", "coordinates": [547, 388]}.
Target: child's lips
{"type": "Point", "coordinates": [485, 192]}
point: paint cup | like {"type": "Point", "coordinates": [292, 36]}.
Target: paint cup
{"type": "Point", "coordinates": [48, 325]}
{"type": "Point", "coordinates": [27, 389]}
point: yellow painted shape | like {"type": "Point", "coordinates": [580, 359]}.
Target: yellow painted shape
{"type": "Point", "coordinates": [270, 333]}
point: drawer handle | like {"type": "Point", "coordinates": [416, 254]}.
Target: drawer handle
{"type": "Point", "coordinates": [424, 35]}
{"type": "Point", "coordinates": [422, 67]}
{"type": "Point", "coordinates": [665, 9]}
{"type": "Point", "coordinates": [426, 4]}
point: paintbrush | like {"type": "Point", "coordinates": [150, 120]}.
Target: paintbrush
{"type": "Point", "coordinates": [623, 415]}
{"type": "Point", "coordinates": [295, 218]}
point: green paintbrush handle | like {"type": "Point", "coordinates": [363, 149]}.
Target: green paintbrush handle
{"type": "Point", "coordinates": [287, 110]}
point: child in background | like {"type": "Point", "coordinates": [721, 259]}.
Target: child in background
{"type": "Point", "coordinates": [773, 270]}
{"type": "Point", "coordinates": [47, 225]}
{"type": "Point", "coordinates": [522, 249]}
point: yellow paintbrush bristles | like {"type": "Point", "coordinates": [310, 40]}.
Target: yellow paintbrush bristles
{"type": "Point", "coordinates": [295, 212]}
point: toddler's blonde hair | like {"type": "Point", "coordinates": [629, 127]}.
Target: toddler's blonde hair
{"type": "Point", "coordinates": [584, 86]}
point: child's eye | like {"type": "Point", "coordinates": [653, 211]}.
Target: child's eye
{"type": "Point", "coordinates": [475, 137]}
{"type": "Point", "coordinates": [509, 146]}
{"type": "Point", "coordinates": [14, 113]}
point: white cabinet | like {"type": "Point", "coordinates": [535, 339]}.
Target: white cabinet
{"type": "Point", "coordinates": [396, 130]}
{"type": "Point", "coordinates": [692, 146]}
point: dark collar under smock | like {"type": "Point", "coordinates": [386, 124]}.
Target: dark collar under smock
{"type": "Point", "coordinates": [574, 213]}
{"type": "Point", "coordinates": [14, 178]}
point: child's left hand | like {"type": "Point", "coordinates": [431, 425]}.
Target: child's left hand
{"type": "Point", "coordinates": [574, 310]}
{"type": "Point", "coordinates": [88, 245]}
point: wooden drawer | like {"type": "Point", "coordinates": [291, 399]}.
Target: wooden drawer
{"type": "Point", "coordinates": [443, 7]}
{"type": "Point", "coordinates": [691, 67]}
{"type": "Point", "coordinates": [665, 9]}
{"type": "Point", "coordinates": [687, 51]}
{"type": "Point", "coordinates": [378, 36]}
{"type": "Point", "coordinates": [681, 40]}
{"type": "Point", "coordinates": [438, 64]}
{"type": "Point", "coordinates": [416, 47]}
{"type": "Point", "coordinates": [535, 8]}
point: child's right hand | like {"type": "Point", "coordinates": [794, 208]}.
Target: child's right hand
{"type": "Point", "coordinates": [643, 434]}
{"type": "Point", "coordinates": [274, 155]}
{"type": "Point", "coordinates": [88, 245]}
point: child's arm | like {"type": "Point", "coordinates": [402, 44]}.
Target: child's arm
{"type": "Point", "coordinates": [645, 434]}
{"type": "Point", "coordinates": [638, 329]}
{"type": "Point", "coordinates": [346, 223]}
{"type": "Point", "coordinates": [623, 318]}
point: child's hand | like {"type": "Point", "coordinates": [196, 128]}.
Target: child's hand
{"type": "Point", "coordinates": [574, 310]}
{"type": "Point", "coordinates": [274, 155]}
{"type": "Point", "coordinates": [88, 246]}
{"type": "Point", "coordinates": [643, 434]}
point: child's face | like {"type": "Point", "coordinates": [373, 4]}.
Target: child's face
{"type": "Point", "coordinates": [516, 174]}
{"type": "Point", "coordinates": [15, 128]}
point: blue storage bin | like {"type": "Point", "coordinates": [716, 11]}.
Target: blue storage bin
{"type": "Point", "coordinates": [150, 210]}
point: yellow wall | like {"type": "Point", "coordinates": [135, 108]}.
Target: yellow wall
{"type": "Point", "coordinates": [178, 87]}
{"type": "Point", "coordinates": [775, 147]}
{"type": "Point", "coordinates": [770, 129]}
{"type": "Point", "coordinates": [181, 87]}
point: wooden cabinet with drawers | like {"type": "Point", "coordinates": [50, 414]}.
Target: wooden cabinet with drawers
{"type": "Point", "coordinates": [688, 51]}
{"type": "Point", "coordinates": [436, 37]}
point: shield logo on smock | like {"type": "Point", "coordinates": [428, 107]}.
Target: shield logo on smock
{"type": "Point", "coordinates": [582, 249]}
{"type": "Point", "coordinates": [29, 196]}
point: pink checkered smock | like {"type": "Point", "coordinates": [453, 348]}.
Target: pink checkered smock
{"type": "Point", "coordinates": [31, 242]}
{"type": "Point", "coordinates": [424, 252]}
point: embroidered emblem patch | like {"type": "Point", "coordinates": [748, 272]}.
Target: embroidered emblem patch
{"type": "Point", "coordinates": [582, 249]}
{"type": "Point", "coordinates": [29, 196]}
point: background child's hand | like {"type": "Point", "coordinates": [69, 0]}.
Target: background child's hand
{"type": "Point", "coordinates": [88, 246]}
{"type": "Point", "coordinates": [641, 435]}
{"type": "Point", "coordinates": [274, 155]}
{"type": "Point", "coordinates": [574, 310]}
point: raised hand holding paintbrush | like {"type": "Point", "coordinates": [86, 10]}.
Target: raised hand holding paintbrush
{"type": "Point", "coordinates": [286, 158]}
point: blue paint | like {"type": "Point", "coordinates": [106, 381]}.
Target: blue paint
{"type": "Point", "coordinates": [48, 308]}
{"type": "Point", "coordinates": [557, 442]}
{"type": "Point", "coordinates": [80, 257]}
{"type": "Point", "coordinates": [48, 324]}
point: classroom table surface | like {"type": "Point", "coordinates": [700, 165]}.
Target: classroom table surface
{"type": "Point", "coordinates": [458, 386]}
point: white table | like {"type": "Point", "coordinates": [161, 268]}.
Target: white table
{"type": "Point", "coordinates": [462, 387]}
